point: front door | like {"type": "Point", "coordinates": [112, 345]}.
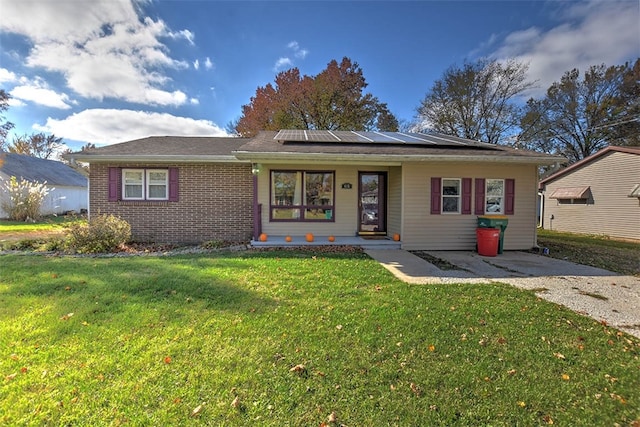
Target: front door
{"type": "Point", "coordinates": [372, 196]}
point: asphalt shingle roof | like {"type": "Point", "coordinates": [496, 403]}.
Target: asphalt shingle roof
{"type": "Point", "coordinates": [41, 170]}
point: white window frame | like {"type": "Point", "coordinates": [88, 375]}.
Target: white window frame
{"type": "Point", "coordinates": [146, 183]}
{"type": "Point", "coordinates": [488, 196]}
{"type": "Point", "coordinates": [149, 183]}
{"type": "Point", "coordinates": [457, 196]}
{"type": "Point", "coordinates": [124, 184]}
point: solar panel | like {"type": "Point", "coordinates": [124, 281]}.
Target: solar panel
{"type": "Point", "coordinates": [365, 137]}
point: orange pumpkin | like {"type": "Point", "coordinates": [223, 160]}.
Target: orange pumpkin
{"type": "Point", "coordinates": [396, 237]}
{"type": "Point", "coordinates": [263, 237]}
{"type": "Point", "coordinates": [309, 237]}
{"type": "Point", "coordinates": [288, 239]}
{"type": "Point", "coordinates": [332, 239]}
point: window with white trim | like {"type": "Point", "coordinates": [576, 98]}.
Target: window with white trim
{"type": "Point", "coordinates": [451, 195]}
{"type": "Point", "coordinates": [494, 196]}
{"type": "Point", "coordinates": [145, 184]}
{"type": "Point", "coordinates": [302, 195]}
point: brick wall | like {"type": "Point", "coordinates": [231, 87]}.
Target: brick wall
{"type": "Point", "coordinates": [215, 203]}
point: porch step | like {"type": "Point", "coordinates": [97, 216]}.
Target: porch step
{"type": "Point", "coordinates": [364, 243]}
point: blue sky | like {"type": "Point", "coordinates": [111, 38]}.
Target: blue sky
{"type": "Point", "coordinates": [107, 71]}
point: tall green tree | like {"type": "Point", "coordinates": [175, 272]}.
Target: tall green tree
{"type": "Point", "coordinates": [476, 101]}
{"type": "Point", "coordinates": [333, 100]}
{"type": "Point", "coordinates": [580, 115]}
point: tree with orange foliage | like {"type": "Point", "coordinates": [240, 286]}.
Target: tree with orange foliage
{"type": "Point", "coordinates": [332, 100]}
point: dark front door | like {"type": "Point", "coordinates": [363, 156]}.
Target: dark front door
{"type": "Point", "coordinates": [372, 196]}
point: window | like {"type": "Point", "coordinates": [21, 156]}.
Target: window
{"type": "Point", "coordinates": [451, 195]}
{"type": "Point", "coordinates": [141, 184]}
{"type": "Point", "coordinates": [302, 196]}
{"type": "Point", "coordinates": [494, 196]}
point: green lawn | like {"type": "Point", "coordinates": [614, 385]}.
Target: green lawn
{"type": "Point", "coordinates": [148, 340]}
{"type": "Point", "coordinates": [50, 223]}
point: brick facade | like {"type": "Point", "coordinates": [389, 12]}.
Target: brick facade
{"type": "Point", "coordinates": [215, 203]}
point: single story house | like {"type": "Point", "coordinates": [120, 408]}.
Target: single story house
{"type": "Point", "coordinates": [68, 187]}
{"type": "Point", "coordinates": [597, 195]}
{"type": "Point", "coordinates": [425, 188]}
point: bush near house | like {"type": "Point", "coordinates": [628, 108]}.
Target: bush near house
{"type": "Point", "coordinates": [102, 233]}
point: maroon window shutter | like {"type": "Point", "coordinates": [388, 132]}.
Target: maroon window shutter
{"type": "Point", "coordinates": [479, 196]}
{"type": "Point", "coordinates": [113, 184]}
{"type": "Point", "coordinates": [466, 196]}
{"type": "Point", "coordinates": [173, 184]}
{"type": "Point", "coordinates": [509, 193]}
{"type": "Point", "coordinates": [436, 187]}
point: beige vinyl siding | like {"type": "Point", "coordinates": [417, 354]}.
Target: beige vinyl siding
{"type": "Point", "coordinates": [422, 230]}
{"type": "Point", "coordinates": [609, 211]}
{"type": "Point", "coordinates": [346, 202]}
{"type": "Point", "coordinates": [394, 201]}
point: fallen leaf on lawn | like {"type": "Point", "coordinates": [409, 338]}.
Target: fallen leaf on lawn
{"type": "Point", "coordinates": [54, 276]}
{"type": "Point", "coordinates": [339, 327]}
{"type": "Point", "coordinates": [236, 402]}
{"type": "Point", "coordinates": [559, 355]}
{"type": "Point", "coordinates": [415, 389]}
{"type": "Point", "coordinates": [547, 419]}
{"type": "Point", "coordinates": [197, 410]}
{"type": "Point", "coordinates": [11, 376]}
{"type": "Point", "coordinates": [177, 400]}
{"type": "Point", "coordinates": [14, 357]}
{"type": "Point", "coordinates": [299, 369]}
{"type": "Point", "coordinates": [566, 377]}
{"type": "Point", "coordinates": [610, 342]}
{"type": "Point", "coordinates": [66, 316]}
{"type": "Point", "coordinates": [167, 359]}
{"type": "Point", "coordinates": [432, 347]}
{"type": "Point", "coordinates": [502, 340]}
{"type": "Point", "coordinates": [24, 369]}
{"type": "Point", "coordinates": [522, 404]}
{"type": "Point", "coordinates": [378, 288]}
{"type": "Point", "coordinates": [511, 372]}
{"type": "Point", "coordinates": [618, 397]}
{"type": "Point", "coordinates": [67, 288]}
{"type": "Point", "coordinates": [332, 417]}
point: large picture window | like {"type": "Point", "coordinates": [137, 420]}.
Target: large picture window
{"type": "Point", "coordinates": [302, 196]}
{"type": "Point", "coordinates": [141, 184]}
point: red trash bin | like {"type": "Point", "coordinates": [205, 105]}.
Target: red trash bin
{"type": "Point", "coordinates": [488, 241]}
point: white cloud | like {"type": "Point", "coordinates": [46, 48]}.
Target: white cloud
{"type": "Point", "coordinates": [110, 126]}
{"type": "Point", "coordinates": [196, 64]}
{"type": "Point", "coordinates": [103, 48]}
{"type": "Point", "coordinates": [208, 64]}
{"type": "Point", "coordinates": [298, 52]}
{"type": "Point", "coordinates": [593, 33]}
{"type": "Point", "coordinates": [282, 63]}
{"type": "Point", "coordinates": [7, 76]}
{"type": "Point", "coordinates": [38, 92]}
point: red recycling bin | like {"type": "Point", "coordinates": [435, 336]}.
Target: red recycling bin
{"type": "Point", "coordinates": [488, 241]}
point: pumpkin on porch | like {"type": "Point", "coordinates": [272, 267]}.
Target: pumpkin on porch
{"type": "Point", "coordinates": [263, 237]}
{"type": "Point", "coordinates": [288, 239]}
{"type": "Point", "coordinates": [332, 239]}
{"type": "Point", "coordinates": [396, 237]}
{"type": "Point", "coordinates": [309, 237]}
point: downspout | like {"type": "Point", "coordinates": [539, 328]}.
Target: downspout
{"type": "Point", "coordinates": [257, 208]}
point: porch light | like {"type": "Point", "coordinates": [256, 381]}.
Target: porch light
{"type": "Point", "coordinates": [255, 168]}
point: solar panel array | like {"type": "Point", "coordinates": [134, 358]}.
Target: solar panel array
{"type": "Point", "coordinates": [361, 137]}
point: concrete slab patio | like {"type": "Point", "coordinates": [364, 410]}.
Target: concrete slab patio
{"type": "Point", "coordinates": [600, 294]}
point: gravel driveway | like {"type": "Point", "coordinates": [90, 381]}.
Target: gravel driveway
{"type": "Point", "coordinates": [600, 294]}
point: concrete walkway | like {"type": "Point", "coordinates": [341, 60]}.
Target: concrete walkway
{"type": "Point", "coordinates": [600, 294]}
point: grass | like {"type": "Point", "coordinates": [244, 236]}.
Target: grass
{"type": "Point", "coordinates": [150, 340]}
{"type": "Point", "coordinates": [598, 251]}
{"type": "Point", "coordinates": [47, 224]}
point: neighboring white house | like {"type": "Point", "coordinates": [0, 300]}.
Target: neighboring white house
{"type": "Point", "coordinates": [69, 187]}
{"type": "Point", "coordinates": [597, 195]}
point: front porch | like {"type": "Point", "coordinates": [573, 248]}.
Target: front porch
{"type": "Point", "coordinates": [381, 242]}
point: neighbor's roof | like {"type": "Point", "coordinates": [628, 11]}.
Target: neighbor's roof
{"type": "Point", "coordinates": [346, 146]}
{"type": "Point", "coordinates": [591, 158]}
{"type": "Point", "coordinates": [165, 149]}
{"type": "Point", "coordinates": [41, 170]}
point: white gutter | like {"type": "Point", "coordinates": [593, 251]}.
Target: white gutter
{"type": "Point", "coordinates": [89, 158]}
{"type": "Point", "coordinates": [394, 158]}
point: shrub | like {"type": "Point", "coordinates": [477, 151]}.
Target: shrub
{"type": "Point", "coordinates": [102, 233]}
{"type": "Point", "coordinates": [24, 199]}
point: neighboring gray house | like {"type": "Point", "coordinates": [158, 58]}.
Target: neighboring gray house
{"type": "Point", "coordinates": [597, 195]}
{"type": "Point", "coordinates": [69, 186]}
